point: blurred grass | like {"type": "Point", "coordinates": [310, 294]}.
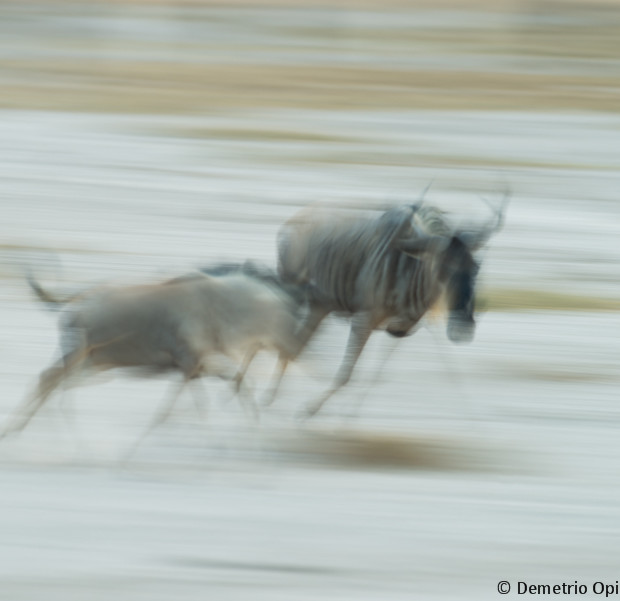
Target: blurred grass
{"type": "Point", "coordinates": [160, 87]}
{"type": "Point", "coordinates": [540, 300]}
{"type": "Point", "coordinates": [255, 135]}
{"type": "Point", "coordinates": [541, 56]}
{"type": "Point", "coordinates": [566, 375]}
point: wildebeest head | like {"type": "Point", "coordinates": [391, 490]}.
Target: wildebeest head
{"type": "Point", "coordinates": [454, 271]}
{"type": "Point", "coordinates": [451, 256]}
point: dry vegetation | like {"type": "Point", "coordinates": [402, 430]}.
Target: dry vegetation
{"type": "Point", "coordinates": [127, 87]}
{"type": "Point", "coordinates": [518, 63]}
{"type": "Point", "coordinates": [540, 300]}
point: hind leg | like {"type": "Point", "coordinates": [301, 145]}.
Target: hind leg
{"type": "Point", "coordinates": [49, 381]}
{"type": "Point", "coordinates": [160, 417]}
{"type": "Point", "coordinates": [191, 365]}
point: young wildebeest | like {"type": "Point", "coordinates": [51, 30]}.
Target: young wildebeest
{"type": "Point", "coordinates": [385, 272]}
{"type": "Point", "coordinates": [180, 325]}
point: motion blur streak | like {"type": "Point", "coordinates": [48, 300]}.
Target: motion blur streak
{"type": "Point", "coordinates": [142, 139]}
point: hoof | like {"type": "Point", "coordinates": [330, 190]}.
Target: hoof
{"type": "Point", "coordinates": [267, 400]}
{"type": "Point", "coordinates": [307, 413]}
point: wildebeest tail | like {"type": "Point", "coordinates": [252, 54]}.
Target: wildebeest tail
{"type": "Point", "coordinates": [50, 300]}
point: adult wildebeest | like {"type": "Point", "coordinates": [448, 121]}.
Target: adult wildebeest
{"type": "Point", "coordinates": [180, 325]}
{"type": "Point", "coordinates": [384, 271]}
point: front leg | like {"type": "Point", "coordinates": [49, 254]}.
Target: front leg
{"type": "Point", "coordinates": [388, 350]}
{"type": "Point", "coordinates": [275, 381]}
{"type": "Point", "coordinates": [243, 368]}
{"type": "Point", "coordinates": [361, 328]}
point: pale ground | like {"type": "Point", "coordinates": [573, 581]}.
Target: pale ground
{"type": "Point", "coordinates": [464, 466]}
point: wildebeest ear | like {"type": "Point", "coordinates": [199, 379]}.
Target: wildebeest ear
{"type": "Point", "coordinates": [418, 245]}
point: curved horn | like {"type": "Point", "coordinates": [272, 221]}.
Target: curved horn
{"type": "Point", "coordinates": [418, 203]}
{"type": "Point", "coordinates": [476, 239]}
{"type": "Point", "coordinates": [426, 190]}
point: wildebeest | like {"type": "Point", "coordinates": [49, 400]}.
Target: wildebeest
{"type": "Point", "coordinates": [384, 271]}
{"type": "Point", "coordinates": [180, 325]}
